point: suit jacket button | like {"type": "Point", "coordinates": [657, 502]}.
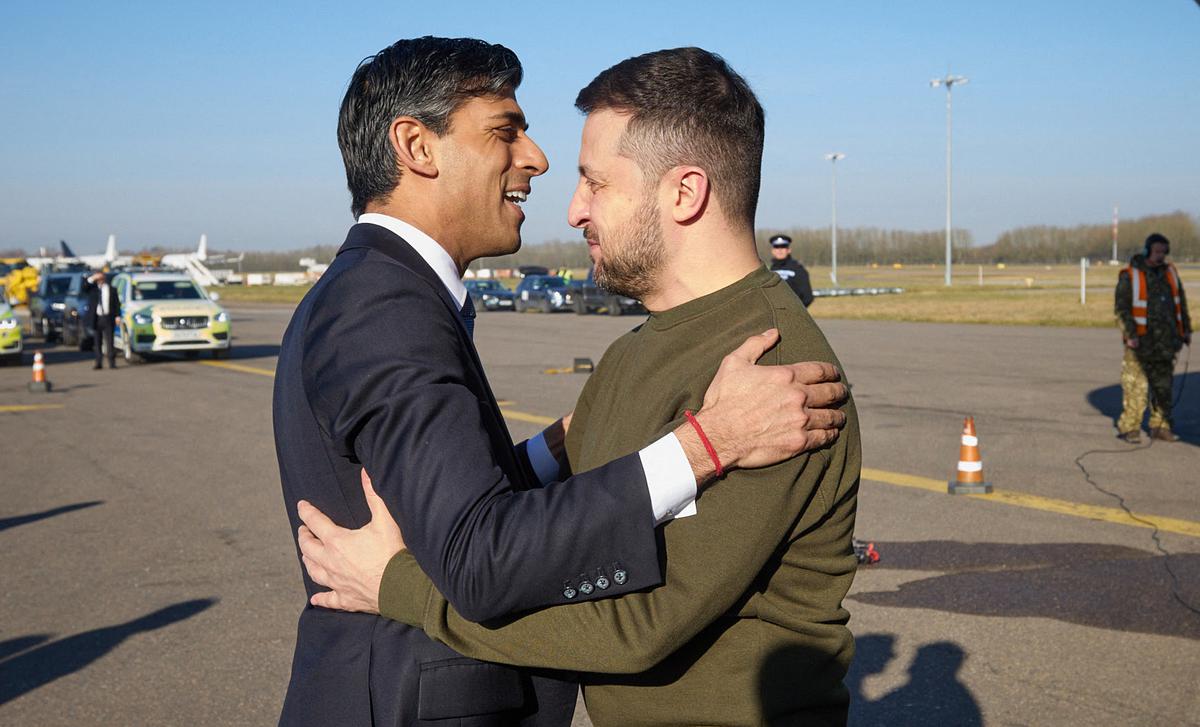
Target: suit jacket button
{"type": "Point", "coordinates": [620, 577]}
{"type": "Point", "coordinates": [568, 593]}
{"type": "Point", "coordinates": [586, 588]}
{"type": "Point", "coordinates": [602, 583]}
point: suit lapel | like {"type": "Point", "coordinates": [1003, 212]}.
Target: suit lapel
{"type": "Point", "coordinates": [388, 243]}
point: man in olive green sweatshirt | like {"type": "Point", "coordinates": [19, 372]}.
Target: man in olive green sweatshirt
{"type": "Point", "coordinates": [748, 627]}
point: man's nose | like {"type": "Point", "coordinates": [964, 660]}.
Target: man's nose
{"type": "Point", "coordinates": [577, 210]}
{"type": "Point", "coordinates": [532, 159]}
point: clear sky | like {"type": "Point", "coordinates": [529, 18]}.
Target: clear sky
{"type": "Point", "coordinates": [158, 121]}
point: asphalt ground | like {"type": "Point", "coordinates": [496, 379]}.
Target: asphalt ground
{"type": "Point", "coordinates": [149, 576]}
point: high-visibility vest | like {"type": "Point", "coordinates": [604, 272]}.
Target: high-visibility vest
{"type": "Point", "coordinates": [1137, 277]}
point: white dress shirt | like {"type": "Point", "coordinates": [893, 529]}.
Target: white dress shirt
{"type": "Point", "coordinates": [104, 299]}
{"type": "Point", "coordinates": [669, 476]}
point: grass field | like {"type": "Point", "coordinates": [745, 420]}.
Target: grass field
{"type": "Point", "coordinates": [1036, 295]}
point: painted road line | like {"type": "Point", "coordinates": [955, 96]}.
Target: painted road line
{"type": "Point", "coordinates": [1046, 504]}
{"type": "Point", "coordinates": [521, 416]}
{"type": "Point", "coordinates": [239, 367]}
{"type": "Point", "coordinates": [28, 407]}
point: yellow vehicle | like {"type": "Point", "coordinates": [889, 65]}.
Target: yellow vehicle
{"type": "Point", "coordinates": [163, 311]}
{"type": "Point", "coordinates": [19, 279]}
{"type": "Point", "coordinates": [11, 341]}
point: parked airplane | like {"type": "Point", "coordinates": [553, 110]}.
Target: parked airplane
{"type": "Point", "coordinates": [110, 258]}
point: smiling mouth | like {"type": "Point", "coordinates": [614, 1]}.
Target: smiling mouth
{"type": "Point", "coordinates": [516, 196]}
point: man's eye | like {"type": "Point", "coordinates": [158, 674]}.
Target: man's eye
{"type": "Point", "coordinates": [509, 132]}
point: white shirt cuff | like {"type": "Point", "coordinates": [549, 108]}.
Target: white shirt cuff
{"type": "Point", "coordinates": [669, 478]}
{"type": "Point", "coordinates": [545, 466]}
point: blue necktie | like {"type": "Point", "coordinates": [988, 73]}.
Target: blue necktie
{"type": "Point", "coordinates": [468, 317]}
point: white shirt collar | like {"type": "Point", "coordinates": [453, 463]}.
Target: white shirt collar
{"type": "Point", "coordinates": [428, 248]}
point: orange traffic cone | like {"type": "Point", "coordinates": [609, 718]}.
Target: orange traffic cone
{"type": "Point", "coordinates": [969, 480]}
{"type": "Point", "coordinates": [39, 383]}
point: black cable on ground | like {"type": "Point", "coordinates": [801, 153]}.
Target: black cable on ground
{"type": "Point", "coordinates": [1175, 586]}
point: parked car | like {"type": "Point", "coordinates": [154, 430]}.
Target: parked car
{"type": "Point", "coordinates": [47, 304]}
{"type": "Point", "coordinates": [75, 331]}
{"type": "Point", "coordinates": [489, 295]}
{"type": "Point", "coordinates": [162, 311]}
{"type": "Point", "coordinates": [545, 293]}
{"type": "Point", "coordinates": [11, 341]}
{"type": "Point", "coordinates": [527, 270]}
{"type": "Point", "coordinates": [591, 298]}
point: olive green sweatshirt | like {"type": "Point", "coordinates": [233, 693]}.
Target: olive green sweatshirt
{"type": "Point", "coordinates": [748, 627]}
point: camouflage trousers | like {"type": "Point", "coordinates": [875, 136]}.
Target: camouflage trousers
{"type": "Point", "coordinates": [1143, 379]}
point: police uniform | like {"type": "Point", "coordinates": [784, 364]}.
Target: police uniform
{"type": "Point", "coordinates": [1151, 307]}
{"type": "Point", "coordinates": [792, 272]}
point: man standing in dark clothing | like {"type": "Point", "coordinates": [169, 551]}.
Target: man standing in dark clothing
{"type": "Point", "coordinates": [788, 268]}
{"type": "Point", "coordinates": [104, 309]}
{"type": "Point", "coordinates": [1152, 311]}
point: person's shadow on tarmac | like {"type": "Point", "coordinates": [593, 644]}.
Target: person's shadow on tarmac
{"type": "Point", "coordinates": [28, 662]}
{"type": "Point", "coordinates": [932, 695]}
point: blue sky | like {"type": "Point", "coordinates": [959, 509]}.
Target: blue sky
{"type": "Point", "coordinates": [160, 121]}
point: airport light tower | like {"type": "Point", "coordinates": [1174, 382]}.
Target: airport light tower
{"type": "Point", "coordinates": [833, 158]}
{"type": "Point", "coordinates": [949, 82]}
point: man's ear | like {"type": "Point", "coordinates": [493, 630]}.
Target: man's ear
{"type": "Point", "coordinates": [687, 189]}
{"type": "Point", "coordinates": [414, 144]}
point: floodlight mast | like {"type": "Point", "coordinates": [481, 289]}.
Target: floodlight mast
{"type": "Point", "coordinates": [833, 158]}
{"type": "Point", "coordinates": [949, 82]}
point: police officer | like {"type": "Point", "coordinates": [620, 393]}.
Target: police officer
{"type": "Point", "coordinates": [792, 272]}
{"type": "Point", "coordinates": [1152, 310]}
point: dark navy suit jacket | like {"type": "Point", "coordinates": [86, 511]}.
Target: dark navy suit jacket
{"type": "Point", "coordinates": [376, 370]}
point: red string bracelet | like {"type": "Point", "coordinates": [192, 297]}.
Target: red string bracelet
{"type": "Point", "coordinates": [707, 444]}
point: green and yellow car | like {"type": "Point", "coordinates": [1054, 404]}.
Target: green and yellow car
{"type": "Point", "coordinates": [11, 341]}
{"type": "Point", "coordinates": [165, 311]}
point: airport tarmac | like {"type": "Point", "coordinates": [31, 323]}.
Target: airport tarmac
{"type": "Point", "coordinates": [150, 578]}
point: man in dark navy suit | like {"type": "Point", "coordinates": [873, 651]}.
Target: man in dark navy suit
{"type": "Point", "coordinates": [378, 371]}
{"type": "Point", "coordinates": [104, 312]}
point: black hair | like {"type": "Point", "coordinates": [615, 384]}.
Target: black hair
{"type": "Point", "coordinates": [687, 107]}
{"type": "Point", "coordinates": [427, 78]}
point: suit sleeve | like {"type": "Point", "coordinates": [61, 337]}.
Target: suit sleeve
{"type": "Point", "coordinates": [712, 560]}
{"type": "Point", "coordinates": [392, 385]}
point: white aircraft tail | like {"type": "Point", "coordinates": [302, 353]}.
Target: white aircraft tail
{"type": "Point", "coordinates": [202, 250]}
{"type": "Point", "coordinates": [110, 250]}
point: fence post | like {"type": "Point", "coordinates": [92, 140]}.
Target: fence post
{"type": "Point", "coordinates": [1083, 265]}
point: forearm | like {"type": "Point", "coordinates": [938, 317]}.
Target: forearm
{"type": "Point", "coordinates": [711, 558]}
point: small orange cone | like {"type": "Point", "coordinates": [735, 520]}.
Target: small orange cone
{"type": "Point", "coordinates": [969, 480]}
{"type": "Point", "coordinates": [39, 383]}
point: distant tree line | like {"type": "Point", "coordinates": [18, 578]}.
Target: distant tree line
{"type": "Point", "coordinates": [552, 254]}
{"type": "Point", "coordinates": [865, 245]}
{"type": "Point", "coordinates": [1046, 244]}
{"type": "Point", "coordinates": [271, 261]}
{"type": "Point", "coordinates": [856, 246]}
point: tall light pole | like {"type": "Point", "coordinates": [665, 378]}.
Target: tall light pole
{"type": "Point", "coordinates": [833, 158]}
{"type": "Point", "coordinates": [949, 82]}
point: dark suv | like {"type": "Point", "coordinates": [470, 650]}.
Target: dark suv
{"type": "Point", "coordinates": [546, 293]}
{"type": "Point", "coordinates": [489, 295]}
{"type": "Point", "coordinates": [48, 302]}
{"type": "Point", "coordinates": [75, 314]}
{"type": "Point", "coordinates": [589, 297]}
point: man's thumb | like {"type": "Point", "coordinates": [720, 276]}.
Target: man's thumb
{"type": "Point", "coordinates": [755, 346]}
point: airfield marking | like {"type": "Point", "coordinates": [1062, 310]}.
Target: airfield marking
{"type": "Point", "coordinates": [1046, 504]}
{"type": "Point", "coordinates": [521, 416]}
{"type": "Point", "coordinates": [28, 407]}
{"type": "Point", "coordinates": [239, 367]}
{"type": "Point", "coordinates": [508, 413]}
{"type": "Point", "coordinates": [1004, 497]}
